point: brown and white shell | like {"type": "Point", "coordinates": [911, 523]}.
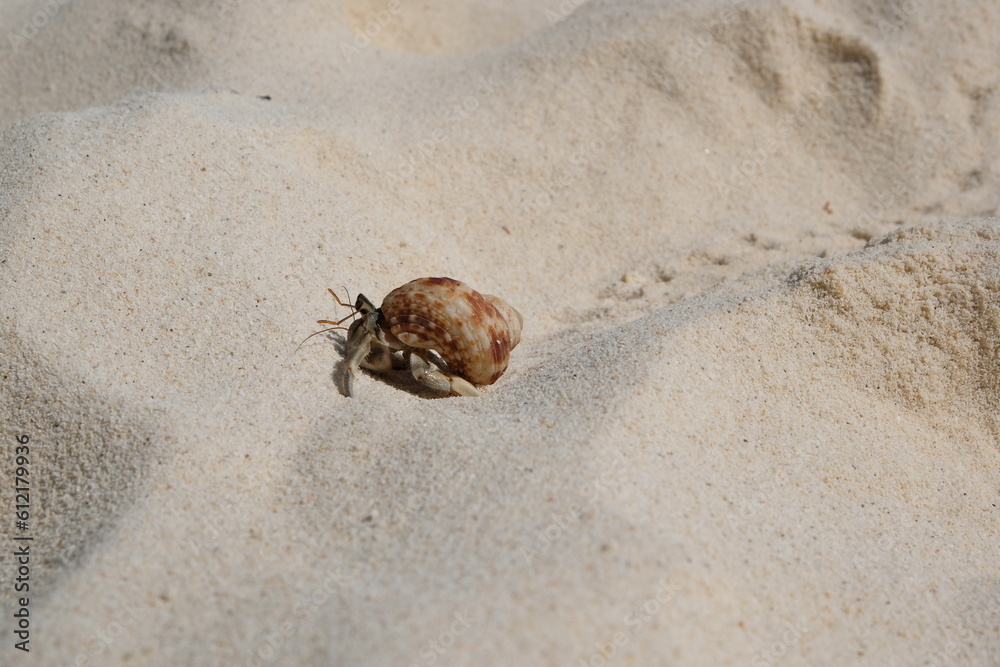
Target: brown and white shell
{"type": "Point", "coordinates": [473, 333]}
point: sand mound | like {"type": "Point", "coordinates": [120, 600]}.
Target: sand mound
{"type": "Point", "coordinates": [753, 417]}
{"type": "Point", "coordinates": [924, 311]}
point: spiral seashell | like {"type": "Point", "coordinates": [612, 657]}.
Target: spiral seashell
{"type": "Point", "coordinates": [473, 333]}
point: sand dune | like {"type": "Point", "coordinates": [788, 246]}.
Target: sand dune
{"type": "Point", "coordinates": [753, 417]}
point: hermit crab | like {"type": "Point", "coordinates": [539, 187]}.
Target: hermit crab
{"type": "Point", "coordinates": [470, 333]}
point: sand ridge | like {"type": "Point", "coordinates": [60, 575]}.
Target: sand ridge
{"type": "Point", "coordinates": [752, 419]}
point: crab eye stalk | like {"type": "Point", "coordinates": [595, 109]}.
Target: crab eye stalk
{"type": "Point", "coordinates": [363, 305]}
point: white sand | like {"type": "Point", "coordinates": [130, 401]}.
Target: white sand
{"type": "Point", "coordinates": [734, 432]}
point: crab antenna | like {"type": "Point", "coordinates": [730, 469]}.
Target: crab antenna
{"type": "Point", "coordinates": [337, 323]}
{"type": "Point", "coordinates": [316, 333]}
{"type": "Point", "coordinates": [339, 302]}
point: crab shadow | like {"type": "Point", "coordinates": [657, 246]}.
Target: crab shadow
{"type": "Point", "coordinates": [399, 377]}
